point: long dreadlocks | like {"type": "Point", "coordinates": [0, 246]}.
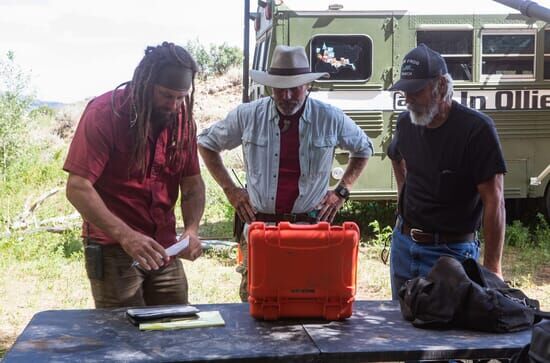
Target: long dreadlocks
{"type": "Point", "coordinates": [141, 99]}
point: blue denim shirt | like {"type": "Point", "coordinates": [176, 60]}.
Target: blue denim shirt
{"type": "Point", "coordinates": [255, 125]}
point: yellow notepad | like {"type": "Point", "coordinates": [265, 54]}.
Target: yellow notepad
{"type": "Point", "coordinates": [205, 319]}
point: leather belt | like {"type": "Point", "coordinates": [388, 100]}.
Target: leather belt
{"type": "Point", "coordinates": [419, 236]}
{"type": "Point", "coordinates": [286, 217]}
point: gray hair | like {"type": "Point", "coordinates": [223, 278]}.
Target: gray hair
{"type": "Point", "coordinates": [447, 97]}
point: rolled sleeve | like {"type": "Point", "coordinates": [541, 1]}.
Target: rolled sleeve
{"type": "Point", "coordinates": [355, 140]}
{"type": "Point", "coordinates": [92, 144]}
{"type": "Point", "coordinates": [223, 135]}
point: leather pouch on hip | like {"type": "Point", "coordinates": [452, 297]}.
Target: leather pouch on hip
{"type": "Point", "coordinates": [238, 227]}
{"type": "Point", "coordinates": [93, 253]}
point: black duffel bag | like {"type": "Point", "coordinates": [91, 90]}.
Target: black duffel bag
{"type": "Point", "coordinates": [466, 296]}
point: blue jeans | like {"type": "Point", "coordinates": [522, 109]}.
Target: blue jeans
{"type": "Point", "coordinates": [409, 259]}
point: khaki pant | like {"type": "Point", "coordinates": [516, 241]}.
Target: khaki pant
{"type": "Point", "coordinates": [243, 269]}
{"type": "Point", "coordinates": [122, 285]}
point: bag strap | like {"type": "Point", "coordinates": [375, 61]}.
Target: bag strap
{"type": "Point", "coordinates": [542, 315]}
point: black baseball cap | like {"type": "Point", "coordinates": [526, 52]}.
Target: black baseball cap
{"type": "Point", "coordinates": [420, 65]}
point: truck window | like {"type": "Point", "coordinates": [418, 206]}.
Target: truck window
{"type": "Point", "coordinates": [547, 54]}
{"type": "Point", "coordinates": [266, 52]}
{"type": "Point", "coordinates": [508, 55]}
{"type": "Point", "coordinates": [256, 56]}
{"type": "Point", "coordinates": [344, 57]}
{"type": "Point", "coordinates": [261, 59]}
{"type": "Point", "coordinates": [456, 48]}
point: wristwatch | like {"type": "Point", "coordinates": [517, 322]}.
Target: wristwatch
{"type": "Point", "coordinates": [342, 191]}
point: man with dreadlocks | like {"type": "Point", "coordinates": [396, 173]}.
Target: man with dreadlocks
{"type": "Point", "coordinates": [133, 151]}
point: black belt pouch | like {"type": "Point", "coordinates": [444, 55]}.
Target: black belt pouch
{"type": "Point", "coordinates": [93, 253]}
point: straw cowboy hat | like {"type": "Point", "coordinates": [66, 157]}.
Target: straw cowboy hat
{"type": "Point", "coordinates": [289, 68]}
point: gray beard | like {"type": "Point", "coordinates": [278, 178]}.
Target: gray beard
{"type": "Point", "coordinates": [290, 112]}
{"type": "Point", "coordinates": [423, 118]}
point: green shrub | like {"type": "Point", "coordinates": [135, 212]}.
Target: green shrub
{"type": "Point", "coordinates": [217, 220]}
{"type": "Point", "coordinates": [217, 60]}
{"type": "Point", "coordinates": [23, 247]}
{"type": "Point", "coordinates": [382, 236]}
{"type": "Point", "coordinates": [541, 233]}
{"type": "Point", "coordinates": [200, 54]}
{"type": "Point", "coordinates": [537, 234]}
{"type": "Point", "coordinates": [70, 244]}
{"type": "Point", "coordinates": [224, 57]}
{"type": "Point", "coordinates": [32, 174]}
{"type": "Point", "coordinates": [365, 212]}
{"type": "Point", "coordinates": [517, 235]}
{"type": "Point", "coordinates": [14, 104]}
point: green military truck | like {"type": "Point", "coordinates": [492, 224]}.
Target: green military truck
{"type": "Point", "coordinates": [499, 59]}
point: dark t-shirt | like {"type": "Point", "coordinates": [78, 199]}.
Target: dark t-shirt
{"type": "Point", "coordinates": [444, 167]}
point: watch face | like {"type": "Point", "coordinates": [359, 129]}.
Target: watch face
{"type": "Point", "coordinates": [342, 191]}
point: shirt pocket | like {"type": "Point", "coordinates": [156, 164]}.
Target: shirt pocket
{"type": "Point", "coordinates": [322, 152]}
{"type": "Point", "coordinates": [121, 163]}
{"type": "Point", "coordinates": [255, 150]}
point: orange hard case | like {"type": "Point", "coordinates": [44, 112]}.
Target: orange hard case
{"type": "Point", "coordinates": [302, 271]}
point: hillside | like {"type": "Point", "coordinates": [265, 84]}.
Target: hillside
{"type": "Point", "coordinates": [214, 98]}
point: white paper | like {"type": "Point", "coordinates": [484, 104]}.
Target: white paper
{"type": "Point", "coordinates": [179, 246]}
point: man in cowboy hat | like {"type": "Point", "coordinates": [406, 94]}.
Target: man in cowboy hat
{"type": "Point", "coordinates": [288, 144]}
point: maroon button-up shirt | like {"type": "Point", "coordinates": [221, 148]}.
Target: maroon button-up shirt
{"type": "Point", "coordinates": [101, 153]}
{"type": "Point", "coordinates": [289, 164]}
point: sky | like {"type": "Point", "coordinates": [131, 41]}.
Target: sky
{"type": "Point", "coordinates": [77, 49]}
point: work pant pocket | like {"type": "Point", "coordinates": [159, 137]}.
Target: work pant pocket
{"type": "Point", "coordinates": [93, 256]}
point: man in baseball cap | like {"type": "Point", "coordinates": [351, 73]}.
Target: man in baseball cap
{"type": "Point", "coordinates": [449, 169]}
{"type": "Point", "coordinates": [420, 66]}
{"type": "Point", "coordinates": [288, 143]}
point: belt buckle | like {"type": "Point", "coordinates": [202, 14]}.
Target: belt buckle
{"type": "Point", "coordinates": [413, 230]}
